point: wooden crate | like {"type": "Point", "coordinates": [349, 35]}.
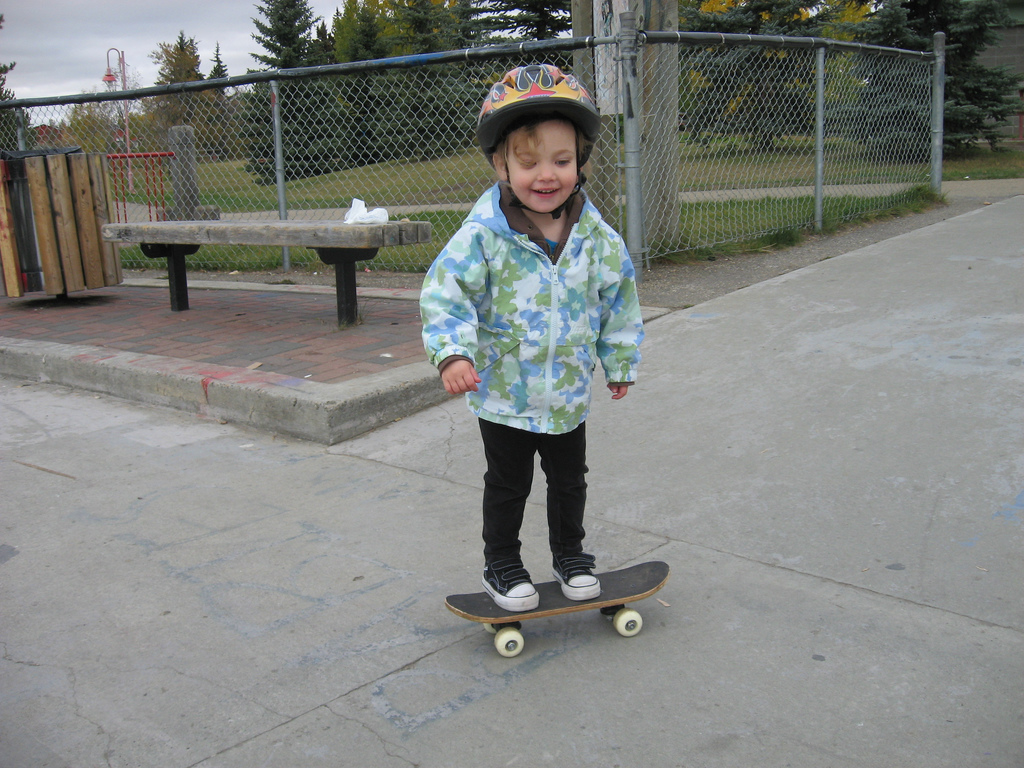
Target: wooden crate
{"type": "Point", "coordinates": [70, 202]}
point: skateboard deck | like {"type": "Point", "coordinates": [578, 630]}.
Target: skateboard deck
{"type": "Point", "coordinates": [617, 588]}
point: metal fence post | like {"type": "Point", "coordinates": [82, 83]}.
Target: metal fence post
{"type": "Point", "coordinates": [938, 108]}
{"type": "Point", "coordinates": [282, 200]}
{"type": "Point", "coordinates": [819, 139]}
{"type": "Point", "coordinates": [631, 141]}
{"type": "Point", "coordinates": [21, 121]}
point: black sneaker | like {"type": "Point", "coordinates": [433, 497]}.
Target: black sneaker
{"type": "Point", "coordinates": [508, 583]}
{"type": "Point", "coordinates": [574, 574]}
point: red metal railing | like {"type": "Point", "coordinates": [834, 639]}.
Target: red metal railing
{"type": "Point", "coordinates": [125, 172]}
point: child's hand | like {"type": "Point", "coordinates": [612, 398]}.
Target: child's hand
{"type": "Point", "coordinates": [460, 377]}
{"type": "Point", "coordinates": [618, 391]}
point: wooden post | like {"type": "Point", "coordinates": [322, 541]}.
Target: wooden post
{"type": "Point", "coordinates": [603, 174]}
{"type": "Point", "coordinates": [184, 173]}
{"type": "Point", "coordinates": [659, 123]}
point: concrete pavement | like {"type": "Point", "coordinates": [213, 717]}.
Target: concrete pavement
{"type": "Point", "coordinates": [830, 461]}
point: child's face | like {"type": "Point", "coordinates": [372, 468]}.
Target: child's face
{"type": "Point", "coordinates": [540, 164]}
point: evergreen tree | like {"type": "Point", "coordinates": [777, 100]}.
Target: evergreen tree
{"type": "Point", "coordinates": [321, 49]}
{"type": "Point", "coordinates": [314, 121]}
{"type": "Point", "coordinates": [219, 137]}
{"type": "Point", "coordinates": [979, 99]}
{"type": "Point", "coordinates": [366, 40]}
{"type": "Point", "coordinates": [343, 27]}
{"type": "Point", "coordinates": [285, 35]}
{"type": "Point", "coordinates": [754, 92]}
{"type": "Point", "coordinates": [468, 26]}
{"type": "Point", "coordinates": [179, 63]}
{"type": "Point", "coordinates": [427, 108]}
{"type": "Point", "coordinates": [531, 19]}
{"type": "Point", "coordinates": [755, 17]}
{"type": "Point", "coordinates": [421, 26]}
{"type": "Point", "coordinates": [890, 116]}
{"type": "Point", "coordinates": [426, 26]}
{"type": "Point", "coordinates": [219, 69]}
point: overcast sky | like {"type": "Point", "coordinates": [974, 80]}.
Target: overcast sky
{"type": "Point", "coordinates": [60, 46]}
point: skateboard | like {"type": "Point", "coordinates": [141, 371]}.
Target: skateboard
{"type": "Point", "coordinates": [617, 588]}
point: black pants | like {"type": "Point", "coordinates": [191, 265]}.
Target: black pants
{"type": "Point", "coordinates": [510, 460]}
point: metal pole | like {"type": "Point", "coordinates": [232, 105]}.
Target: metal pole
{"type": "Point", "coordinates": [938, 107]}
{"type": "Point", "coordinates": [21, 122]}
{"type": "Point", "coordinates": [127, 135]}
{"type": "Point", "coordinates": [819, 140]}
{"type": "Point", "coordinates": [282, 201]}
{"type": "Point", "coordinates": [631, 142]}
{"type": "Point", "coordinates": [1020, 116]}
{"type": "Point", "coordinates": [110, 79]}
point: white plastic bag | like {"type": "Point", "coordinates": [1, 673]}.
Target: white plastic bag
{"type": "Point", "coordinates": [358, 214]}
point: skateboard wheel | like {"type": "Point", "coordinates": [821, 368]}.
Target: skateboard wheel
{"type": "Point", "coordinates": [490, 629]}
{"type": "Point", "coordinates": [509, 642]}
{"type": "Point", "coordinates": [628, 622]}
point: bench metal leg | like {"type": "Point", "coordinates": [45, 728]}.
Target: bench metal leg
{"type": "Point", "coordinates": [176, 278]}
{"type": "Point", "coordinates": [345, 286]}
{"type": "Point", "coordinates": [344, 262]}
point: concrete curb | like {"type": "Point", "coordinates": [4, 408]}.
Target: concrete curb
{"type": "Point", "coordinates": [323, 413]}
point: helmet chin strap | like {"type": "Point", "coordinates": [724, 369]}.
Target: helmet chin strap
{"type": "Point", "coordinates": [581, 179]}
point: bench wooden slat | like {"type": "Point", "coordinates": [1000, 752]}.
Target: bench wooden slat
{"type": "Point", "coordinates": [46, 235]}
{"type": "Point", "coordinates": [8, 244]}
{"type": "Point", "coordinates": [308, 234]}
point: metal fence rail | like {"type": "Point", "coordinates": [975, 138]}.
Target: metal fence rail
{"type": "Point", "coordinates": [706, 139]}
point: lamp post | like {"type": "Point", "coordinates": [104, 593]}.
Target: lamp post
{"type": "Point", "coordinates": [110, 79]}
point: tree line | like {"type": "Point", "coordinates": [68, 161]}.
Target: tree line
{"type": "Point", "coordinates": [979, 100]}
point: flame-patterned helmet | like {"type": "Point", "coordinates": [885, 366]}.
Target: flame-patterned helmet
{"type": "Point", "coordinates": [536, 89]}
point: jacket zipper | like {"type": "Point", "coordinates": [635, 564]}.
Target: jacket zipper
{"type": "Point", "coordinates": [553, 331]}
{"type": "Point", "coordinates": [553, 326]}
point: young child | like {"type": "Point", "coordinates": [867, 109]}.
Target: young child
{"type": "Point", "coordinates": [528, 296]}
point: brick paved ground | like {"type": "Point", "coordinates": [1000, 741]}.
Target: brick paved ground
{"type": "Point", "coordinates": [293, 333]}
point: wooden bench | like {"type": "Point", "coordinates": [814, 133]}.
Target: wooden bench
{"type": "Point", "coordinates": [336, 243]}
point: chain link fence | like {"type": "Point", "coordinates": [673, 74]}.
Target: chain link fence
{"type": "Point", "coordinates": [775, 136]}
{"type": "Point", "coordinates": [733, 140]}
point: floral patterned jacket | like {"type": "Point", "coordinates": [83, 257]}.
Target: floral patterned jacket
{"type": "Point", "coordinates": [534, 329]}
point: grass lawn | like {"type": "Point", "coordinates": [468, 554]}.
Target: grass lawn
{"type": "Point", "coordinates": [1006, 162]}
{"type": "Point", "coordinates": [457, 180]}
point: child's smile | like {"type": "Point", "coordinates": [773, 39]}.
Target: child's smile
{"type": "Point", "coordinates": [541, 169]}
